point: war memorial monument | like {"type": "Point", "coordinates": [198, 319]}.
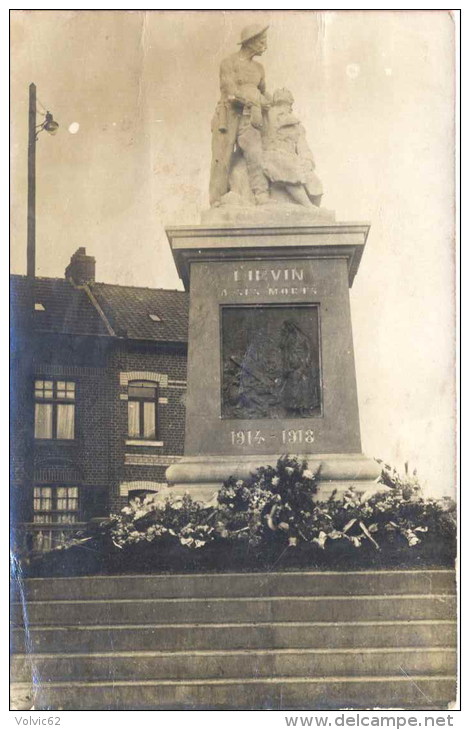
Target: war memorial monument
{"type": "Point", "coordinates": [177, 612]}
{"type": "Point", "coordinates": [271, 356]}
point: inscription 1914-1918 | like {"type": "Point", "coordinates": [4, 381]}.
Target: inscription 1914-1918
{"type": "Point", "coordinates": [249, 437]}
{"type": "Point", "coordinates": [270, 362]}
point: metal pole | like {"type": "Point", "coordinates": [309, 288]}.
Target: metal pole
{"type": "Point", "coordinates": [29, 341]}
{"type": "Point", "coordinates": [31, 239]}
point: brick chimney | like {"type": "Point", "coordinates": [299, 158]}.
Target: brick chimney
{"type": "Point", "coordinates": [81, 268]}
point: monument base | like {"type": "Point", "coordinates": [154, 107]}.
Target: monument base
{"type": "Point", "coordinates": [271, 214]}
{"type": "Point", "coordinates": [271, 354]}
{"type": "Point", "coordinates": [201, 476]}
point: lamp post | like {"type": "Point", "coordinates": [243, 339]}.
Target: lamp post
{"type": "Point", "coordinates": [50, 126]}
{"type": "Point", "coordinates": [23, 502]}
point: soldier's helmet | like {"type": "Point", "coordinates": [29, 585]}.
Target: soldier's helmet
{"type": "Point", "coordinates": [251, 31]}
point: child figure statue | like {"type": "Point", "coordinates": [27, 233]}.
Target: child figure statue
{"type": "Point", "coordinates": [287, 159]}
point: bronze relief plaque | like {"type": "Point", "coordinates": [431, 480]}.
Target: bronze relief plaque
{"type": "Point", "coordinates": [270, 361]}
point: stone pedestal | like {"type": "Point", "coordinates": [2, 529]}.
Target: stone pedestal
{"type": "Point", "coordinates": [271, 358]}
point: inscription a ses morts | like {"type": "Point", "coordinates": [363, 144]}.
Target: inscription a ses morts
{"type": "Point", "coordinates": [270, 282]}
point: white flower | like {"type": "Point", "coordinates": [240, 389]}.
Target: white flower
{"type": "Point", "coordinates": [412, 538]}
{"type": "Point", "coordinates": [321, 539]}
{"type": "Point", "coordinates": [275, 481]}
{"type": "Point", "coordinates": [335, 534]}
{"type": "Point", "coordinates": [239, 483]}
{"type": "Point", "coordinates": [292, 542]}
{"type": "Point", "coordinates": [289, 469]}
{"type": "Point", "coordinates": [307, 474]}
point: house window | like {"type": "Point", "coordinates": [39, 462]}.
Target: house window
{"type": "Point", "coordinates": [142, 409]}
{"type": "Point", "coordinates": [55, 505]}
{"type": "Point", "coordinates": [54, 413]}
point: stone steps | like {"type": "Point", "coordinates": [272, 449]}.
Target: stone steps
{"type": "Point", "coordinates": [299, 640]}
{"type": "Point", "coordinates": [305, 583]}
{"type": "Point", "coordinates": [419, 692]}
{"type": "Point", "coordinates": [280, 635]}
{"type": "Point", "coordinates": [233, 610]}
{"type": "Point", "coordinates": [241, 663]}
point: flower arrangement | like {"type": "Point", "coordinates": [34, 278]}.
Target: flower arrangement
{"type": "Point", "coordinates": [150, 519]}
{"type": "Point", "coordinates": [271, 500]}
{"type": "Point", "coordinates": [282, 500]}
{"type": "Point", "coordinates": [276, 512]}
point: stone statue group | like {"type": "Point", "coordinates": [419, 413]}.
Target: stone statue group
{"type": "Point", "coordinates": [259, 148]}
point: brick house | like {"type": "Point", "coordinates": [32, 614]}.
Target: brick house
{"type": "Point", "coordinates": [98, 383]}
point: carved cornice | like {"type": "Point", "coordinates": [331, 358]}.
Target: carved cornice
{"type": "Point", "coordinates": [201, 243]}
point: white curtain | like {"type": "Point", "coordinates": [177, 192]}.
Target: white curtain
{"type": "Point", "coordinates": [133, 418]}
{"type": "Point", "coordinates": [149, 420]}
{"type": "Point", "coordinates": [42, 500]}
{"type": "Point", "coordinates": [43, 421]}
{"type": "Point", "coordinates": [65, 421]}
{"type": "Point", "coordinates": [67, 498]}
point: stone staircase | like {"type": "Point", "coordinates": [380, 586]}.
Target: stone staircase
{"type": "Point", "coordinates": [292, 640]}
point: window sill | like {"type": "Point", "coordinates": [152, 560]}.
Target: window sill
{"type": "Point", "coordinates": [53, 525]}
{"type": "Point", "coordinates": [44, 442]}
{"type": "Point", "coordinates": [143, 442]}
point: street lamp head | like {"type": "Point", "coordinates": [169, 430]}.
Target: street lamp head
{"type": "Point", "coordinates": [50, 125]}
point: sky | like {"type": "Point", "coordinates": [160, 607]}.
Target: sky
{"type": "Point", "coordinates": [375, 92]}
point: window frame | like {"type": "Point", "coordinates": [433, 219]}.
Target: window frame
{"type": "Point", "coordinates": [54, 498]}
{"type": "Point", "coordinates": [140, 400]}
{"type": "Point", "coordinates": [54, 400]}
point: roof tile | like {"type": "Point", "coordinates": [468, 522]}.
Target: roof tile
{"type": "Point", "coordinates": [128, 309]}
{"type": "Point", "coordinates": [69, 310]}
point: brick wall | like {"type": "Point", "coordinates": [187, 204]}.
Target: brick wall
{"type": "Point", "coordinates": [134, 463]}
{"type": "Point", "coordinates": [99, 453]}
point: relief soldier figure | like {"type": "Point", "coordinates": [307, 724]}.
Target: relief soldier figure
{"type": "Point", "coordinates": [299, 393]}
{"type": "Point", "coordinates": [275, 374]}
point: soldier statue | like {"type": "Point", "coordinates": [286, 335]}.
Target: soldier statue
{"type": "Point", "coordinates": [238, 119]}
